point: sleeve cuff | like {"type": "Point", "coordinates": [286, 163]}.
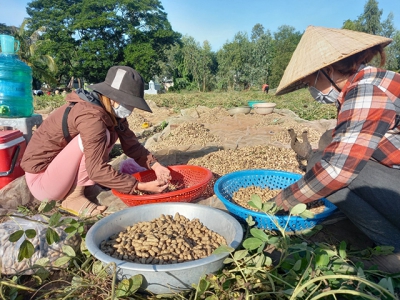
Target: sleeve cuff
{"type": "Point", "coordinates": [151, 163]}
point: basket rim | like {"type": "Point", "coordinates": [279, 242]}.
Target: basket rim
{"type": "Point", "coordinates": [235, 207]}
{"type": "Point", "coordinates": [206, 179]}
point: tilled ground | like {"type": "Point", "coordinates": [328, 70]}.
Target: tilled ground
{"type": "Point", "coordinates": [243, 142]}
{"type": "Point", "coordinates": [250, 157]}
{"type": "Point", "coordinates": [202, 126]}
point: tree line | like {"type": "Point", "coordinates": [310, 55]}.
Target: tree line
{"type": "Point", "coordinates": [84, 38]}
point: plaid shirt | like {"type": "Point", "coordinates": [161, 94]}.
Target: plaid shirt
{"type": "Point", "coordinates": [366, 129]}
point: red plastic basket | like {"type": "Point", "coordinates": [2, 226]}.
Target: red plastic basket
{"type": "Point", "coordinates": [194, 178]}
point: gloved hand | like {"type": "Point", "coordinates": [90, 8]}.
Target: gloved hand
{"type": "Point", "coordinates": [163, 174]}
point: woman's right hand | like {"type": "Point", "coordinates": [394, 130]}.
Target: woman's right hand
{"type": "Point", "coordinates": [154, 187]}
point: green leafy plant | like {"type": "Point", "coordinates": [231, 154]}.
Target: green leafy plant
{"type": "Point", "coordinates": [163, 125]}
{"type": "Point", "coordinates": [85, 277]}
{"type": "Point", "coordinates": [27, 249]}
{"type": "Point", "coordinates": [276, 265]}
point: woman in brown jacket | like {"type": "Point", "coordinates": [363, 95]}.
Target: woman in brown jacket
{"type": "Point", "coordinates": [70, 150]}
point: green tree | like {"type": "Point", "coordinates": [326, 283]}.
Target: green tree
{"type": "Point", "coordinates": [257, 32]}
{"type": "Point", "coordinates": [370, 20]}
{"type": "Point", "coordinates": [234, 63]}
{"type": "Point", "coordinates": [59, 38]}
{"type": "Point", "coordinates": [395, 48]}
{"type": "Point", "coordinates": [87, 37]}
{"type": "Point", "coordinates": [262, 53]}
{"type": "Point", "coordinates": [387, 26]}
{"type": "Point", "coordinates": [4, 29]}
{"type": "Point", "coordinates": [207, 67]}
{"type": "Point", "coordinates": [43, 65]}
{"type": "Point", "coordinates": [352, 25]}
{"type": "Point", "coordinates": [286, 40]}
{"type": "Point", "coordinates": [174, 67]}
{"type": "Point", "coordinates": [192, 59]}
{"type": "Point", "coordinates": [392, 50]}
{"type": "Point", "coordinates": [198, 62]}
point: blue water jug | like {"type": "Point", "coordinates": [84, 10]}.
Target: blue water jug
{"type": "Point", "coordinates": [16, 99]}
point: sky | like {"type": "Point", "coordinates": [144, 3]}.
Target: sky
{"type": "Point", "coordinates": [217, 21]}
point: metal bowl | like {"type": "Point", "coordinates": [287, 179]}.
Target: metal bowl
{"type": "Point", "coordinates": [164, 279]}
{"type": "Point", "coordinates": [239, 110]}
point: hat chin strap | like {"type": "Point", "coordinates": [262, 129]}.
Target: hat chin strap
{"type": "Point", "coordinates": [330, 80]}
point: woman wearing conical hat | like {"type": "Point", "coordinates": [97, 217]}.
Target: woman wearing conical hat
{"type": "Point", "coordinates": [359, 171]}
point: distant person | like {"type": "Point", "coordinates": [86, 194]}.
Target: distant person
{"type": "Point", "coordinates": [69, 153]}
{"type": "Point", "coordinates": [359, 170]}
{"type": "Point", "coordinates": [265, 88]}
{"type": "Point", "coordinates": [38, 92]}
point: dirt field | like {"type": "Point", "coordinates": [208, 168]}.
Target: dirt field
{"type": "Point", "coordinates": [213, 139]}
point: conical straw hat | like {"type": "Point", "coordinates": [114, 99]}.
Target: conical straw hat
{"type": "Point", "coordinates": [320, 47]}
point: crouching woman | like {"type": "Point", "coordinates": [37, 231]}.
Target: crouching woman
{"type": "Point", "coordinates": [69, 153]}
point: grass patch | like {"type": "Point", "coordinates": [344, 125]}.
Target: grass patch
{"type": "Point", "coordinates": [48, 102]}
{"type": "Point", "coordinates": [300, 102]}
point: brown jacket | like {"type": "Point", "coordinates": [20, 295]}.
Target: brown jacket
{"type": "Point", "coordinates": [90, 121]}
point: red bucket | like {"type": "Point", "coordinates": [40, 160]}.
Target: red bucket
{"type": "Point", "coordinates": [12, 148]}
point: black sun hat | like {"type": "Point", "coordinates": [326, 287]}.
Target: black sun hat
{"type": "Point", "coordinates": [125, 86]}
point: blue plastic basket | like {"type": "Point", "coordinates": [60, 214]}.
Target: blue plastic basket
{"type": "Point", "coordinates": [226, 185]}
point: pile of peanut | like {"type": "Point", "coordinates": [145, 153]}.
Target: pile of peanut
{"type": "Point", "coordinates": [212, 115]}
{"type": "Point", "coordinates": [250, 157]}
{"type": "Point", "coordinates": [243, 195]}
{"type": "Point", "coordinates": [187, 134]}
{"type": "Point", "coordinates": [164, 240]}
{"type": "Point", "coordinates": [135, 120]}
{"type": "Point", "coordinates": [172, 187]}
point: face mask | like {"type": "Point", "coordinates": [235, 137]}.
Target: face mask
{"type": "Point", "coordinates": [320, 97]}
{"type": "Point", "coordinates": [122, 112]}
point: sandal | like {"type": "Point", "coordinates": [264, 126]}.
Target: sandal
{"type": "Point", "coordinates": [76, 198]}
{"type": "Point", "coordinates": [88, 209]}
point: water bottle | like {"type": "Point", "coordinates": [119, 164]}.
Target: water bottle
{"type": "Point", "coordinates": [16, 99]}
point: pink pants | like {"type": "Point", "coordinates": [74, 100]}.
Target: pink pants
{"type": "Point", "coordinates": [66, 170]}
